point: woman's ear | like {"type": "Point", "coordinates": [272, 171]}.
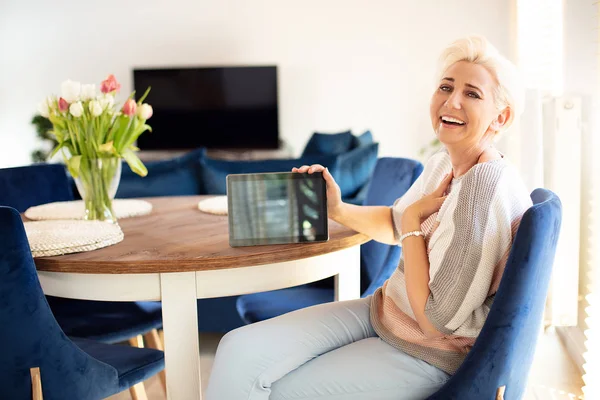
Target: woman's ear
{"type": "Point", "coordinates": [501, 119]}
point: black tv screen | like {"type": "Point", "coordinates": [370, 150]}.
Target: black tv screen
{"type": "Point", "coordinates": [213, 107]}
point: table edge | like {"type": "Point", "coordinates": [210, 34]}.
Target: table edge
{"type": "Point", "coordinates": [51, 264]}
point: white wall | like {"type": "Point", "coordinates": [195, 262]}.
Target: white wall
{"type": "Point", "coordinates": [342, 63]}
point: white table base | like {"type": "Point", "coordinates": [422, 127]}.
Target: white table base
{"type": "Point", "coordinates": [178, 292]}
{"type": "Point", "coordinates": [180, 326]}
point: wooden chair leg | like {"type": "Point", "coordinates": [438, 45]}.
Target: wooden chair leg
{"type": "Point", "coordinates": [500, 393]}
{"type": "Point", "coordinates": [137, 391]}
{"type": "Point", "coordinates": [153, 341]}
{"type": "Point", "coordinates": [137, 341]}
{"type": "Point", "coordinates": [36, 384]}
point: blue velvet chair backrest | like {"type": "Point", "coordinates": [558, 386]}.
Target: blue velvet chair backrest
{"type": "Point", "coordinates": [46, 182]}
{"type": "Point", "coordinates": [503, 352]}
{"type": "Point", "coordinates": [391, 178]}
{"type": "Point", "coordinates": [30, 335]}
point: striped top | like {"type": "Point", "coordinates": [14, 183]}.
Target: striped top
{"type": "Point", "coordinates": [468, 241]}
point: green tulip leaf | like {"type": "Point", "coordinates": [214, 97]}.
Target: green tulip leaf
{"type": "Point", "coordinates": [135, 163]}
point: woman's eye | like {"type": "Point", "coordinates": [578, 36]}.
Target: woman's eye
{"type": "Point", "coordinates": [473, 95]}
{"type": "Point", "coordinates": [445, 88]}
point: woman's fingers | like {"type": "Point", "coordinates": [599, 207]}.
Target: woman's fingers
{"type": "Point", "coordinates": [329, 178]}
{"type": "Point", "coordinates": [444, 184]}
{"type": "Point", "coordinates": [315, 168]}
{"type": "Point", "coordinates": [309, 168]}
{"type": "Point", "coordinates": [301, 170]}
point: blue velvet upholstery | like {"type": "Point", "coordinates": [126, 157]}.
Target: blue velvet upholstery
{"type": "Point", "coordinates": [214, 172]}
{"type": "Point", "coordinates": [104, 321]}
{"type": "Point", "coordinates": [173, 177]}
{"type": "Point", "coordinates": [261, 306]}
{"type": "Point", "coordinates": [329, 143]}
{"type": "Point", "coordinates": [108, 322]}
{"type": "Point", "coordinates": [503, 352]}
{"type": "Point", "coordinates": [391, 179]}
{"type": "Point", "coordinates": [133, 364]}
{"type": "Point", "coordinates": [354, 168]}
{"type": "Point", "coordinates": [46, 183]}
{"type": "Point", "coordinates": [31, 337]}
{"type": "Point", "coordinates": [363, 139]}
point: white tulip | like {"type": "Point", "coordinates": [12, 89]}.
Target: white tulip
{"type": "Point", "coordinates": [106, 101]}
{"type": "Point", "coordinates": [70, 91]}
{"type": "Point", "coordinates": [144, 111]}
{"type": "Point", "coordinates": [76, 109]}
{"type": "Point", "coordinates": [45, 107]}
{"type": "Point", "coordinates": [95, 108]}
{"type": "Point", "coordinates": [88, 92]}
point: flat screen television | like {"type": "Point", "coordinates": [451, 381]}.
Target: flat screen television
{"type": "Point", "coordinates": [212, 107]}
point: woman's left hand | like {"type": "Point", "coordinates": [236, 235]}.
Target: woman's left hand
{"type": "Point", "coordinates": [420, 210]}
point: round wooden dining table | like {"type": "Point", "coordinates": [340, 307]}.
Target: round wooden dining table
{"type": "Point", "coordinates": [178, 254]}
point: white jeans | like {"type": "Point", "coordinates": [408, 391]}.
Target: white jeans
{"type": "Point", "coordinates": [326, 352]}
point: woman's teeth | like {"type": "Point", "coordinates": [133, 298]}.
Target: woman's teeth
{"type": "Point", "coordinates": [453, 121]}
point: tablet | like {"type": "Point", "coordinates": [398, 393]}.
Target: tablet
{"type": "Point", "coordinates": [276, 208]}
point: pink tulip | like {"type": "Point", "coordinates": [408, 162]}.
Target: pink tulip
{"type": "Point", "coordinates": [63, 106]}
{"type": "Point", "coordinates": [110, 84]}
{"type": "Point", "coordinates": [129, 108]}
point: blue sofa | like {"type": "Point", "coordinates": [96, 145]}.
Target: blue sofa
{"type": "Point", "coordinates": [351, 160]}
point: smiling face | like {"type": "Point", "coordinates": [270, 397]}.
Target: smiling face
{"type": "Point", "coordinates": [462, 108]}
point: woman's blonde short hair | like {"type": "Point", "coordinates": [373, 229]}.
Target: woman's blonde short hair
{"type": "Point", "coordinates": [476, 49]}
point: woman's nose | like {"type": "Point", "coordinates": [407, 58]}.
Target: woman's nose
{"type": "Point", "coordinates": [454, 101]}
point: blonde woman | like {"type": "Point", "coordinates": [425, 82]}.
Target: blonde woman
{"type": "Point", "coordinates": [456, 225]}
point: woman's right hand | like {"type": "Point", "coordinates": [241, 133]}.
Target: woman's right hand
{"type": "Point", "coordinates": [334, 194]}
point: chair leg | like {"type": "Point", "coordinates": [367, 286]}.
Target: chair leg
{"type": "Point", "coordinates": [500, 393]}
{"type": "Point", "coordinates": [137, 391]}
{"type": "Point", "coordinates": [137, 341]}
{"type": "Point", "coordinates": [36, 384]}
{"type": "Point", "coordinates": [153, 341]}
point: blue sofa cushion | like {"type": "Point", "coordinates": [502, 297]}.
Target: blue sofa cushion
{"type": "Point", "coordinates": [48, 183]}
{"type": "Point", "coordinates": [364, 139]}
{"type": "Point", "coordinates": [214, 172]}
{"type": "Point", "coordinates": [174, 177]}
{"type": "Point", "coordinates": [329, 143]}
{"type": "Point", "coordinates": [354, 168]}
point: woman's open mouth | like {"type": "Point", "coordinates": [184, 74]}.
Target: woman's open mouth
{"type": "Point", "coordinates": [451, 122]}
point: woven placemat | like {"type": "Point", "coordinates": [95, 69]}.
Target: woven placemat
{"type": "Point", "coordinates": [215, 205]}
{"type": "Point", "coordinates": [123, 208]}
{"type": "Point", "coordinates": [52, 238]}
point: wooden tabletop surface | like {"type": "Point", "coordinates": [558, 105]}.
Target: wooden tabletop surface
{"type": "Point", "coordinates": [177, 237]}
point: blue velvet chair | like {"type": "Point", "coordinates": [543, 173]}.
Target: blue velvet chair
{"type": "Point", "coordinates": [70, 368]}
{"type": "Point", "coordinates": [108, 322]}
{"type": "Point", "coordinates": [24, 187]}
{"type": "Point", "coordinates": [503, 352]}
{"type": "Point", "coordinates": [391, 179]}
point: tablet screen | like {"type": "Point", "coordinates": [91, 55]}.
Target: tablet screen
{"type": "Point", "coordinates": [273, 208]}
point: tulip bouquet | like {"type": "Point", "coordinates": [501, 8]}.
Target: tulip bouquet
{"type": "Point", "coordinates": [93, 136]}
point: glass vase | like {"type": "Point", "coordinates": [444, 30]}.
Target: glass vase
{"type": "Point", "coordinates": [97, 184]}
